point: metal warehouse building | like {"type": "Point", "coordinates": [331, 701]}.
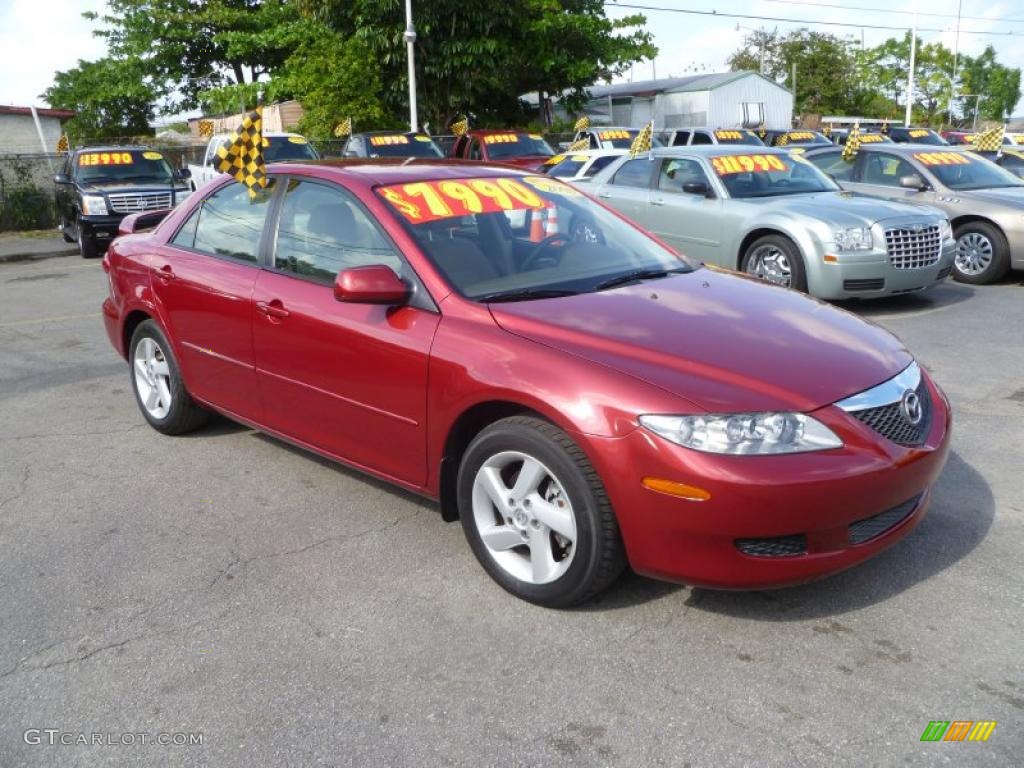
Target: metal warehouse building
{"type": "Point", "coordinates": [727, 99]}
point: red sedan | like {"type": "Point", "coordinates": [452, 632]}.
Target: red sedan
{"type": "Point", "coordinates": [575, 392]}
{"type": "Point", "coordinates": [511, 147]}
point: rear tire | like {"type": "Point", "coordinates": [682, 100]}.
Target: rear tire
{"type": "Point", "coordinates": [156, 381]}
{"type": "Point", "coordinates": [536, 514]}
{"type": "Point", "coordinates": [776, 259]}
{"type": "Point", "coordinates": [982, 253]}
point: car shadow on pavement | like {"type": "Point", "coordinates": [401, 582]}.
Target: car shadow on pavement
{"type": "Point", "coordinates": [945, 295]}
{"type": "Point", "coordinates": [961, 514]}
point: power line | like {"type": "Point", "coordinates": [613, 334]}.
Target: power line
{"type": "Point", "coordinates": [806, 21]}
{"type": "Point", "coordinates": [890, 10]}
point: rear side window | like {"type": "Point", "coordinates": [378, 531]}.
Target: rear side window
{"type": "Point", "coordinates": [600, 163]}
{"type": "Point", "coordinates": [231, 223]}
{"type": "Point", "coordinates": [634, 173]}
{"type": "Point", "coordinates": [833, 164]}
{"type": "Point", "coordinates": [700, 137]}
{"type": "Point", "coordinates": [681, 138]}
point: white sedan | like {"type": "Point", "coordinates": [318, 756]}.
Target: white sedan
{"type": "Point", "coordinates": [577, 166]}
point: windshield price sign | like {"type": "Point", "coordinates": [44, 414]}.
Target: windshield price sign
{"type": "Point", "coordinates": [105, 158]}
{"type": "Point", "coordinates": [614, 135]}
{"type": "Point", "coordinates": [379, 141]}
{"type": "Point", "coordinates": [501, 138]}
{"type": "Point", "coordinates": [728, 135]}
{"type": "Point", "coordinates": [425, 201]}
{"type": "Point", "coordinates": [942, 158]}
{"type": "Point", "coordinates": [727, 164]}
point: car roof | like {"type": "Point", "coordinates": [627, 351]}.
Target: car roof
{"type": "Point", "coordinates": [390, 133]}
{"type": "Point", "coordinates": [486, 131]}
{"type": "Point", "coordinates": [116, 148]}
{"type": "Point", "coordinates": [374, 171]}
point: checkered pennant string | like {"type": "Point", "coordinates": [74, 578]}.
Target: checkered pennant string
{"type": "Point", "coordinates": [782, 141]}
{"type": "Point", "coordinates": [643, 141]}
{"type": "Point", "coordinates": [460, 126]}
{"type": "Point", "coordinates": [344, 128]}
{"type": "Point", "coordinates": [582, 124]}
{"type": "Point", "coordinates": [242, 154]}
{"type": "Point", "coordinates": [852, 145]}
{"type": "Point", "coordinates": [991, 140]}
{"type": "Point", "coordinates": [206, 128]}
{"type": "Point", "coordinates": [62, 143]}
{"type": "Point", "coordinates": [579, 145]}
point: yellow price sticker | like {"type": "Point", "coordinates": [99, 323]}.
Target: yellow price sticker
{"type": "Point", "coordinates": [297, 139]}
{"type": "Point", "coordinates": [942, 158]}
{"type": "Point", "coordinates": [725, 165]}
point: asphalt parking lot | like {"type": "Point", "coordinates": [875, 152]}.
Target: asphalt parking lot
{"type": "Point", "coordinates": [296, 613]}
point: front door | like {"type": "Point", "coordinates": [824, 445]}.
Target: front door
{"type": "Point", "coordinates": [690, 222]}
{"type": "Point", "coordinates": [878, 174]}
{"type": "Point", "coordinates": [204, 279]}
{"type": "Point", "coordinates": [628, 189]}
{"type": "Point", "coordinates": [347, 379]}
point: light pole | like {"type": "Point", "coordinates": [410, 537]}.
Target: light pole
{"type": "Point", "coordinates": [410, 41]}
{"type": "Point", "coordinates": [910, 76]}
{"type": "Point", "coordinates": [761, 42]}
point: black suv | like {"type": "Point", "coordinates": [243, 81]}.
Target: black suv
{"type": "Point", "coordinates": [99, 186]}
{"type": "Point", "coordinates": [391, 144]}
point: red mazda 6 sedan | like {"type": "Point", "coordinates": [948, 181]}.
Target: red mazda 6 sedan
{"type": "Point", "coordinates": [575, 392]}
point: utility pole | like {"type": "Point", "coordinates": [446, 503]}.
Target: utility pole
{"type": "Point", "coordinates": [956, 52]}
{"type": "Point", "coordinates": [910, 75]}
{"type": "Point", "coordinates": [410, 42]}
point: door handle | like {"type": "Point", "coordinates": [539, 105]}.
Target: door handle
{"type": "Point", "coordinates": [605, 195]}
{"type": "Point", "coordinates": [659, 201]}
{"type": "Point", "coordinates": [272, 308]}
{"type": "Point", "coordinates": [166, 273]}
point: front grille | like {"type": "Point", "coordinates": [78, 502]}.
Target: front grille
{"type": "Point", "coordinates": [890, 423]}
{"type": "Point", "coordinates": [778, 546]}
{"type": "Point", "coordinates": [133, 202]}
{"type": "Point", "coordinates": [868, 284]}
{"type": "Point", "coordinates": [913, 248]}
{"type": "Point", "coordinates": [872, 527]}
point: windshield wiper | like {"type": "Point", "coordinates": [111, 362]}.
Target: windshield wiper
{"type": "Point", "coordinates": [636, 276]}
{"type": "Point", "coordinates": [525, 294]}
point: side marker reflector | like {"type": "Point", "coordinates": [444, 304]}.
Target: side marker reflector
{"type": "Point", "coordinates": [830, 259]}
{"type": "Point", "coordinates": [672, 488]}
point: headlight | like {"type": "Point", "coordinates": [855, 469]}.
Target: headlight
{"type": "Point", "coordinates": [745, 433]}
{"type": "Point", "coordinates": [945, 229]}
{"type": "Point", "coordinates": [94, 205]}
{"type": "Point", "coordinates": [853, 239]}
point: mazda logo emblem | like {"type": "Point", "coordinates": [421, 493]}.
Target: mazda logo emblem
{"type": "Point", "coordinates": [910, 404]}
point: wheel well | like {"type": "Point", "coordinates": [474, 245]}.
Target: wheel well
{"type": "Point", "coordinates": [469, 424]}
{"type": "Point", "coordinates": [754, 235]}
{"type": "Point", "coordinates": [960, 220]}
{"type": "Point", "coordinates": [130, 324]}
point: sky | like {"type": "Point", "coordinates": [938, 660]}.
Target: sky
{"type": "Point", "coordinates": [40, 37]}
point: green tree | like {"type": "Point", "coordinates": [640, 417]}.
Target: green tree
{"type": "Point", "coordinates": [999, 84]}
{"type": "Point", "coordinates": [111, 97]}
{"type": "Point", "coordinates": [473, 56]}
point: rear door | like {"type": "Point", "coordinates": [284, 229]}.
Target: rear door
{"type": "Point", "coordinates": [347, 379]}
{"type": "Point", "coordinates": [628, 189]}
{"type": "Point", "coordinates": [690, 222]}
{"type": "Point", "coordinates": [204, 280]}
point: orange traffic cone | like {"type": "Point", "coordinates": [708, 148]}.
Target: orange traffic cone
{"type": "Point", "coordinates": [536, 225]}
{"type": "Point", "coordinates": [551, 223]}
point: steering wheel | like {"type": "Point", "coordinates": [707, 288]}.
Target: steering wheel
{"type": "Point", "coordinates": [536, 254]}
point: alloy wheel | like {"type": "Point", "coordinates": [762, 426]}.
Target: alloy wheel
{"type": "Point", "coordinates": [524, 517]}
{"type": "Point", "coordinates": [152, 378]}
{"type": "Point", "coordinates": [974, 253]}
{"type": "Point", "coordinates": [771, 264]}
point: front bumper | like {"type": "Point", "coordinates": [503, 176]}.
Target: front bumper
{"type": "Point", "coordinates": [102, 229]}
{"type": "Point", "coordinates": [817, 496]}
{"type": "Point", "coordinates": [872, 275]}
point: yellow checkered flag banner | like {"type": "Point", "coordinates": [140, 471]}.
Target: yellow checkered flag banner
{"type": "Point", "coordinates": [206, 128]}
{"type": "Point", "coordinates": [62, 143]}
{"type": "Point", "coordinates": [991, 140]}
{"type": "Point", "coordinates": [827, 130]}
{"type": "Point", "coordinates": [852, 145]}
{"type": "Point", "coordinates": [642, 142]}
{"type": "Point", "coordinates": [344, 128]}
{"type": "Point", "coordinates": [582, 124]}
{"type": "Point", "coordinates": [460, 126]}
{"type": "Point", "coordinates": [783, 140]}
{"type": "Point", "coordinates": [242, 154]}
{"type": "Point", "coordinates": [761, 132]}
{"type": "Point", "coordinates": [579, 145]}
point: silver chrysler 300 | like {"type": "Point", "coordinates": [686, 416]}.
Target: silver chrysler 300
{"type": "Point", "coordinates": [776, 216]}
{"type": "Point", "coordinates": [984, 202]}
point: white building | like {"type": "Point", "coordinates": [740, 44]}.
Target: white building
{"type": "Point", "coordinates": [18, 132]}
{"type": "Point", "coordinates": [723, 100]}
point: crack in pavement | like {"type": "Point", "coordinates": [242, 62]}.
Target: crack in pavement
{"type": "Point", "coordinates": [22, 488]}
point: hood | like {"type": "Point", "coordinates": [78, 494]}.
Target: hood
{"type": "Point", "coordinates": [999, 195]}
{"type": "Point", "coordinates": [724, 342]}
{"type": "Point", "coordinates": [841, 208]}
{"type": "Point", "coordinates": [118, 187]}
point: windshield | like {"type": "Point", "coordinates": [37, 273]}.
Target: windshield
{"type": "Point", "coordinates": [288, 148]}
{"type": "Point", "coordinates": [402, 145]}
{"type": "Point", "coordinates": [124, 165]}
{"type": "Point", "coordinates": [769, 175]}
{"type": "Point", "coordinates": [622, 138]}
{"type": "Point", "coordinates": [515, 145]}
{"type": "Point", "coordinates": [738, 137]}
{"type": "Point", "coordinates": [571, 165]}
{"type": "Point", "coordinates": [923, 136]}
{"type": "Point", "coordinates": [964, 170]}
{"type": "Point", "coordinates": [803, 137]}
{"type": "Point", "coordinates": [519, 238]}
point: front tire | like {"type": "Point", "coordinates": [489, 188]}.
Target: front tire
{"type": "Point", "coordinates": [157, 383]}
{"type": "Point", "coordinates": [86, 245]}
{"type": "Point", "coordinates": [982, 253]}
{"type": "Point", "coordinates": [776, 259]}
{"type": "Point", "coordinates": [536, 514]}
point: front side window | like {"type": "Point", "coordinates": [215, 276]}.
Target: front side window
{"type": "Point", "coordinates": [634, 173]}
{"type": "Point", "coordinates": [323, 230]}
{"type": "Point", "coordinates": [681, 139]}
{"type": "Point", "coordinates": [231, 223]}
{"type": "Point", "coordinates": [833, 164]}
{"type": "Point", "coordinates": [884, 169]}
{"type": "Point", "coordinates": [514, 238]}
{"type": "Point", "coordinates": [679, 171]}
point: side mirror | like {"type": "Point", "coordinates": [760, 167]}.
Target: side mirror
{"type": "Point", "coordinates": [183, 173]}
{"type": "Point", "coordinates": [697, 188]}
{"type": "Point", "coordinates": [61, 178]}
{"type": "Point", "coordinates": [913, 181]}
{"type": "Point", "coordinates": [373, 284]}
